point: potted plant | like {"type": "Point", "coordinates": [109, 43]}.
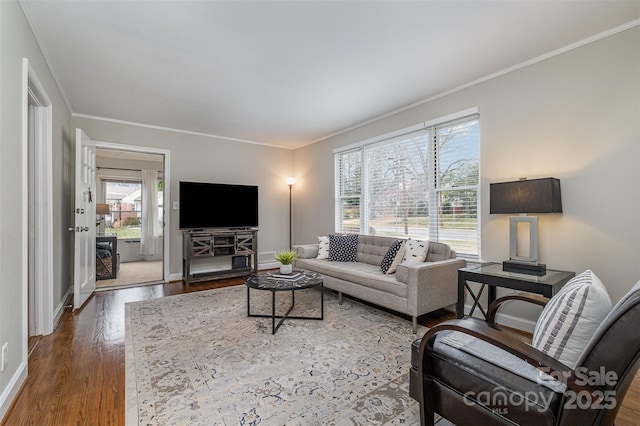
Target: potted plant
{"type": "Point", "coordinates": [286, 258]}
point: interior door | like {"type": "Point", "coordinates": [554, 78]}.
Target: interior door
{"type": "Point", "coordinates": [84, 261]}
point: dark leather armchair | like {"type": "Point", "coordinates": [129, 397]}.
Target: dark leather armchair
{"type": "Point", "coordinates": [486, 376]}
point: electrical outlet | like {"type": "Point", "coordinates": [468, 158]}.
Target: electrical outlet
{"type": "Point", "coordinates": [5, 356]}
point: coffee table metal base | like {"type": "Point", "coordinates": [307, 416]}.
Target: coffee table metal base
{"type": "Point", "coordinates": [273, 316]}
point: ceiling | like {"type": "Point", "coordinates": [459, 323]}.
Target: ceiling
{"type": "Point", "coordinates": [289, 73]}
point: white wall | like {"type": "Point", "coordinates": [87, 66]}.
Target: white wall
{"type": "Point", "coordinates": [575, 116]}
{"type": "Point", "coordinates": [17, 42]}
{"type": "Point", "coordinates": [205, 159]}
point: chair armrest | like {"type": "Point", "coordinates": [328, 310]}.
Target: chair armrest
{"type": "Point", "coordinates": [307, 251]}
{"type": "Point", "coordinates": [525, 297]}
{"type": "Point", "coordinates": [488, 333]}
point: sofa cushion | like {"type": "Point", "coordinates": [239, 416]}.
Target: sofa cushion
{"type": "Point", "coordinates": [415, 251]}
{"type": "Point", "coordinates": [323, 247]}
{"type": "Point", "coordinates": [372, 248]}
{"type": "Point", "coordinates": [390, 256]}
{"type": "Point", "coordinates": [570, 318]}
{"type": "Point", "coordinates": [439, 251]}
{"type": "Point", "coordinates": [359, 273]}
{"type": "Point", "coordinates": [343, 248]}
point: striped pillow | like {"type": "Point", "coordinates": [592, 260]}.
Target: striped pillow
{"type": "Point", "coordinates": [570, 318]}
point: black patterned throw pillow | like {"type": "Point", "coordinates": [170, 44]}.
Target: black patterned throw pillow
{"type": "Point", "coordinates": [390, 256]}
{"type": "Point", "coordinates": [343, 248]}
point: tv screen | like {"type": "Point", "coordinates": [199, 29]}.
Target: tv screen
{"type": "Point", "coordinates": [217, 205]}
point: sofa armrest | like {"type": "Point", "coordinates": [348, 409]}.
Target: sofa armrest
{"type": "Point", "coordinates": [430, 285]}
{"type": "Point", "coordinates": [307, 251]}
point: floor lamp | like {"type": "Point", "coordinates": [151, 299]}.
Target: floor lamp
{"type": "Point", "coordinates": [290, 181]}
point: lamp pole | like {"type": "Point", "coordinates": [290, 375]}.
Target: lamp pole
{"type": "Point", "coordinates": [290, 181]}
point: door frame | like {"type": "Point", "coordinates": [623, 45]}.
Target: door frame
{"type": "Point", "coordinates": [166, 227]}
{"type": "Point", "coordinates": [43, 207]}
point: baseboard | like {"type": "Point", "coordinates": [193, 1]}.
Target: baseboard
{"type": "Point", "coordinates": [268, 265]}
{"type": "Point", "coordinates": [57, 313]}
{"type": "Point", "coordinates": [11, 391]}
{"type": "Point", "coordinates": [516, 322]}
{"type": "Point", "coordinates": [506, 319]}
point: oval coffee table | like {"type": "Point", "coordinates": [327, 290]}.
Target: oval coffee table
{"type": "Point", "coordinates": [274, 282]}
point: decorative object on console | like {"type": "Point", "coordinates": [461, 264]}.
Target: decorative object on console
{"type": "Point", "coordinates": [286, 257]}
{"type": "Point", "coordinates": [102, 209]}
{"type": "Point", "coordinates": [290, 181]}
{"type": "Point", "coordinates": [525, 196]}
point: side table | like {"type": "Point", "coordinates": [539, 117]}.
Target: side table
{"type": "Point", "coordinates": [112, 240]}
{"type": "Point", "coordinates": [491, 275]}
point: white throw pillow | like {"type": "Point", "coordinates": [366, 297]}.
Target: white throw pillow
{"type": "Point", "coordinates": [415, 251]}
{"type": "Point", "coordinates": [570, 318]}
{"type": "Point", "coordinates": [323, 248]}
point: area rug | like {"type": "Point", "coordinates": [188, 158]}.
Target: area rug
{"type": "Point", "coordinates": [197, 359]}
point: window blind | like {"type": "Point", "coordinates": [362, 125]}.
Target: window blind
{"type": "Point", "coordinates": [456, 185]}
{"type": "Point", "coordinates": [396, 185]}
{"type": "Point", "coordinates": [348, 181]}
{"type": "Point", "coordinates": [421, 183]}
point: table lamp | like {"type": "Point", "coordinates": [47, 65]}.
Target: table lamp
{"type": "Point", "coordinates": [525, 196]}
{"type": "Point", "coordinates": [102, 209]}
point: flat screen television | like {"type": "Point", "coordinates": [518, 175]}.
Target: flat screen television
{"type": "Point", "coordinates": [217, 205]}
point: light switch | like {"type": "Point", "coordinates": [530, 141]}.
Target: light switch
{"type": "Point", "coordinates": [176, 205]}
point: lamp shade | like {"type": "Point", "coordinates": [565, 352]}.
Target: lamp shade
{"type": "Point", "coordinates": [102, 209]}
{"type": "Point", "coordinates": [526, 196]}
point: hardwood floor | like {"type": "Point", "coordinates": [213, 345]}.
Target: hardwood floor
{"type": "Point", "coordinates": [76, 374]}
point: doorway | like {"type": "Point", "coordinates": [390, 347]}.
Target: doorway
{"type": "Point", "coordinates": [131, 216]}
{"type": "Point", "coordinates": [37, 208]}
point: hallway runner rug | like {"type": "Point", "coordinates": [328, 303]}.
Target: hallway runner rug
{"type": "Point", "coordinates": [197, 359]}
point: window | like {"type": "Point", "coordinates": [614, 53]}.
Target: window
{"type": "Point", "coordinates": [124, 197]}
{"type": "Point", "coordinates": [421, 183]}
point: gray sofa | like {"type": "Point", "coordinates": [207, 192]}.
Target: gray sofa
{"type": "Point", "coordinates": [414, 289]}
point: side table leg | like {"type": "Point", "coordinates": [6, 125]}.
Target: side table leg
{"type": "Point", "coordinates": [491, 295]}
{"type": "Point", "coordinates": [273, 312]}
{"type": "Point", "coordinates": [460, 304]}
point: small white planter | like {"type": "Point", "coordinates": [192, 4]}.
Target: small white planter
{"type": "Point", "coordinates": [286, 269]}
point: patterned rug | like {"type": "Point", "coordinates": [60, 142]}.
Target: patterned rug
{"type": "Point", "coordinates": [197, 359]}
